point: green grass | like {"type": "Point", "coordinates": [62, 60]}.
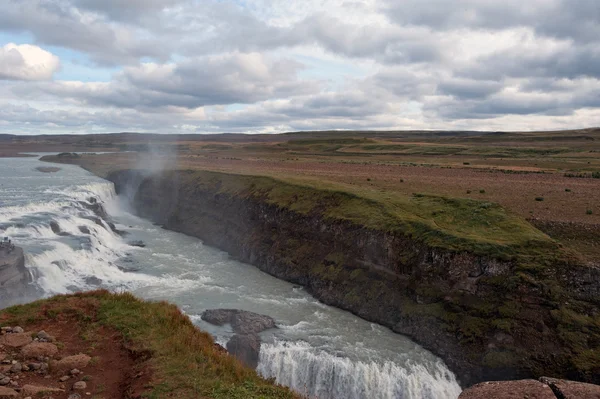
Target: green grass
{"type": "Point", "coordinates": [183, 359]}
{"type": "Point", "coordinates": [457, 224]}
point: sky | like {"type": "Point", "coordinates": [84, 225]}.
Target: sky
{"type": "Point", "coordinates": [267, 66]}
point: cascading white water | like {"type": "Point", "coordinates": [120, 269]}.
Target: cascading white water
{"type": "Point", "coordinates": [318, 374]}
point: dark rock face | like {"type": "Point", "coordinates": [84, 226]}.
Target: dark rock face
{"type": "Point", "coordinates": [95, 207]}
{"type": "Point", "coordinates": [84, 230]}
{"type": "Point", "coordinates": [545, 388]}
{"type": "Point", "coordinates": [246, 348]}
{"type": "Point", "coordinates": [241, 321]}
{"type": "Point", "coordinates": [245, 344]}
{"type": "Point", "coordinates": [12, 267]}
{"type": "Point", "coordinates": [13, 273]}
{"type": "Point", "coordinates": [55, 227]}
{"type": "Point", "coordinates": [138, 243]}
{"type": "Point", "coordinates": [457, 305]}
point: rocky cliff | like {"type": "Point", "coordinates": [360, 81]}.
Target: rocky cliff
{"type": "Point", "coordinates": [488, 317]}
{"type": "Point", "coordinates": [13, 273]}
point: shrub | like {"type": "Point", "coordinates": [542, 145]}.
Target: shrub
{"type": "Point", "coordinates": [589, 212]}
{"type": "Point", "coordinates": [568, 190]}
{"type": "Point", "coordinates": [468, 191]}
{"type": "Point", "coordinates": [539, 199]}
{"type": "Point", "coordinates": [466, 163]}
{"type": "Point", "coordinates": [481, 191]}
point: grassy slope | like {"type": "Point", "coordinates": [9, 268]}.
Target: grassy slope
{"type": "Point", "coordinates": [457, 224]}
{"type": "Point", "coordinates": [183, 359]}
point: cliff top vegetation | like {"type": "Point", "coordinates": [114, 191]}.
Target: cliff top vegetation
{"type": "Point", "coordinates": [134, 348]}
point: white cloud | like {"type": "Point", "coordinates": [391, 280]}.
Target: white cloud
{"type": "Point", "coordinates": [27, 62]}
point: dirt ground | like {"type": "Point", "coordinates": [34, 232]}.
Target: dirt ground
{"type": "Point", "coordinates": [108, 369]}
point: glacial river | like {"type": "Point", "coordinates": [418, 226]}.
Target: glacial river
{"type": "Point", "coordinates": [318, 350]}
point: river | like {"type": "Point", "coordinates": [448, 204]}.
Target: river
{"type": "Point", "coordinates": [317, 350]}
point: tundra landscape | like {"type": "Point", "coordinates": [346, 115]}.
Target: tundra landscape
{"type": "Point", "coordinates": [342, 199]}
{"type": "Point", "coordinates": [482, 247]}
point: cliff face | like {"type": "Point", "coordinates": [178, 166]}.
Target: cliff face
{"type": "Point", "coordinates": [485, 317]}
{"type": "Point", "coordinates": [12, 267]}
{"type": "Point", "coordinates": [13, 273]}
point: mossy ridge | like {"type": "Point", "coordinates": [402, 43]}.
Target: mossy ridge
{"type": "Point", "coordinates": [456, 224]}
{"type": "Point", "coordinates": [183, 359]}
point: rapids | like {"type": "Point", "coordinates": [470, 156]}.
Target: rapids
{"type": "Point", "coordinates": [318, 350]}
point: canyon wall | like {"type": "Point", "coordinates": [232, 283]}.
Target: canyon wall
{"type": "Point", "coordinates": [484, 317]}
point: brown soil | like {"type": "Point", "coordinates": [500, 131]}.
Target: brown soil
{"type": "Point", "coordinates": [114, 371]}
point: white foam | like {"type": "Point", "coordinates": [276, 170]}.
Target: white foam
{"type": "Point", "coordinates": [318, 374]}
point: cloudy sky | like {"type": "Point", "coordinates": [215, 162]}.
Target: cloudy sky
{"type": "Point", "coordinates": [184, 66]}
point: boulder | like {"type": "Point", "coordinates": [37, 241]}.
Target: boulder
{"type": "Point", "coordinates": [72, 362]}
{"type": "Point", "coordinates": [43, 336]}
{"type": "Point", "coordinates": [246, 348]}
{"type": "Point", "coordinates": [572, 389]}
{"type": "Point", "coordinates": [7, 393]}
{"type": "Point", "coordinates": [34, 390]}
{"type": "Point", "coordinates": [242, 322]}
{"type": "Point", "coordinates": [37, 349]}
{"type": "Point", "coordinates": [16, 340]}
{"type": "Point", "coordinates": [55, 227]}
{"type": "Point", "coordinates": [522, 389]}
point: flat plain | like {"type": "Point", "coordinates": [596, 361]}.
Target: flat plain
{"type": "Point", "coordinates": [550, 179]}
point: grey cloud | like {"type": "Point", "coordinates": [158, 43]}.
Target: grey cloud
{"type": "Point", "coordinates": [129, 9]}
{"type": "Point", "coordinates": [58, 22]}
{"type": "Point", "coordinates": [193, 83]}
{"type": "Point", "coordinates": [577, 19]}
{"type": "Point", "coordinates": [467, 88]}
{"type": "Point", "coordinates": [569, 62]}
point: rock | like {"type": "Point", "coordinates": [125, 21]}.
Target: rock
{"type": "Point", "coordinates": [17, 330]}
{"type": "Point", "coordinates": [37, 349]}
{"type": "Point", "coordinates": [572, 389]}
{"type": "Point", "coordinates": [44, 336]}
{"type": "Point", "coordinates": [34, 390]}
{"type": "Point", "coordinates": [80, 385]}
{"type": "Point", "coordinates": [84, 230]}
{"type": "Point", "coordinates": [75, 372]}
{"type": "Point", "coordinates": [6, 330]}
{"type": "Point", "coordinates": [246, 348]}
{"type": "Point", "coordinates": [4, 380]}
{"type": "Point", "coordinates": [14, 277]}
{"type": "Point", "coordinates": [137, 243]}
{"type": "Point", "coordinates": [16, 340]}
{"type": "Point", "coordinates": [44, 368]}
{"type": "Point", "coordinates": [6, 393]}
{"type": "Point", "coordinates": [530, 389]}
{"type": "Point", "coordinates": [35, 366]}
{"type": "Point", "coordinates": [242, 322]}
{"type": "Point", "coordinates": [93, 280]}
{"type": "Point", "coordinates": [64, 378]}
{"type": "Point", "coordinates": [55, 227]}
{"type": "Point", "coordinates": [74, 396]}
{"type": "Point", "coordinates": [47, 169]}
{"type": "Point", "coordinates": [72, 362]}
{"type": "Point", "coordinates": [16, 368]}
{"type": "Point", "coordinates": [95, 207]}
